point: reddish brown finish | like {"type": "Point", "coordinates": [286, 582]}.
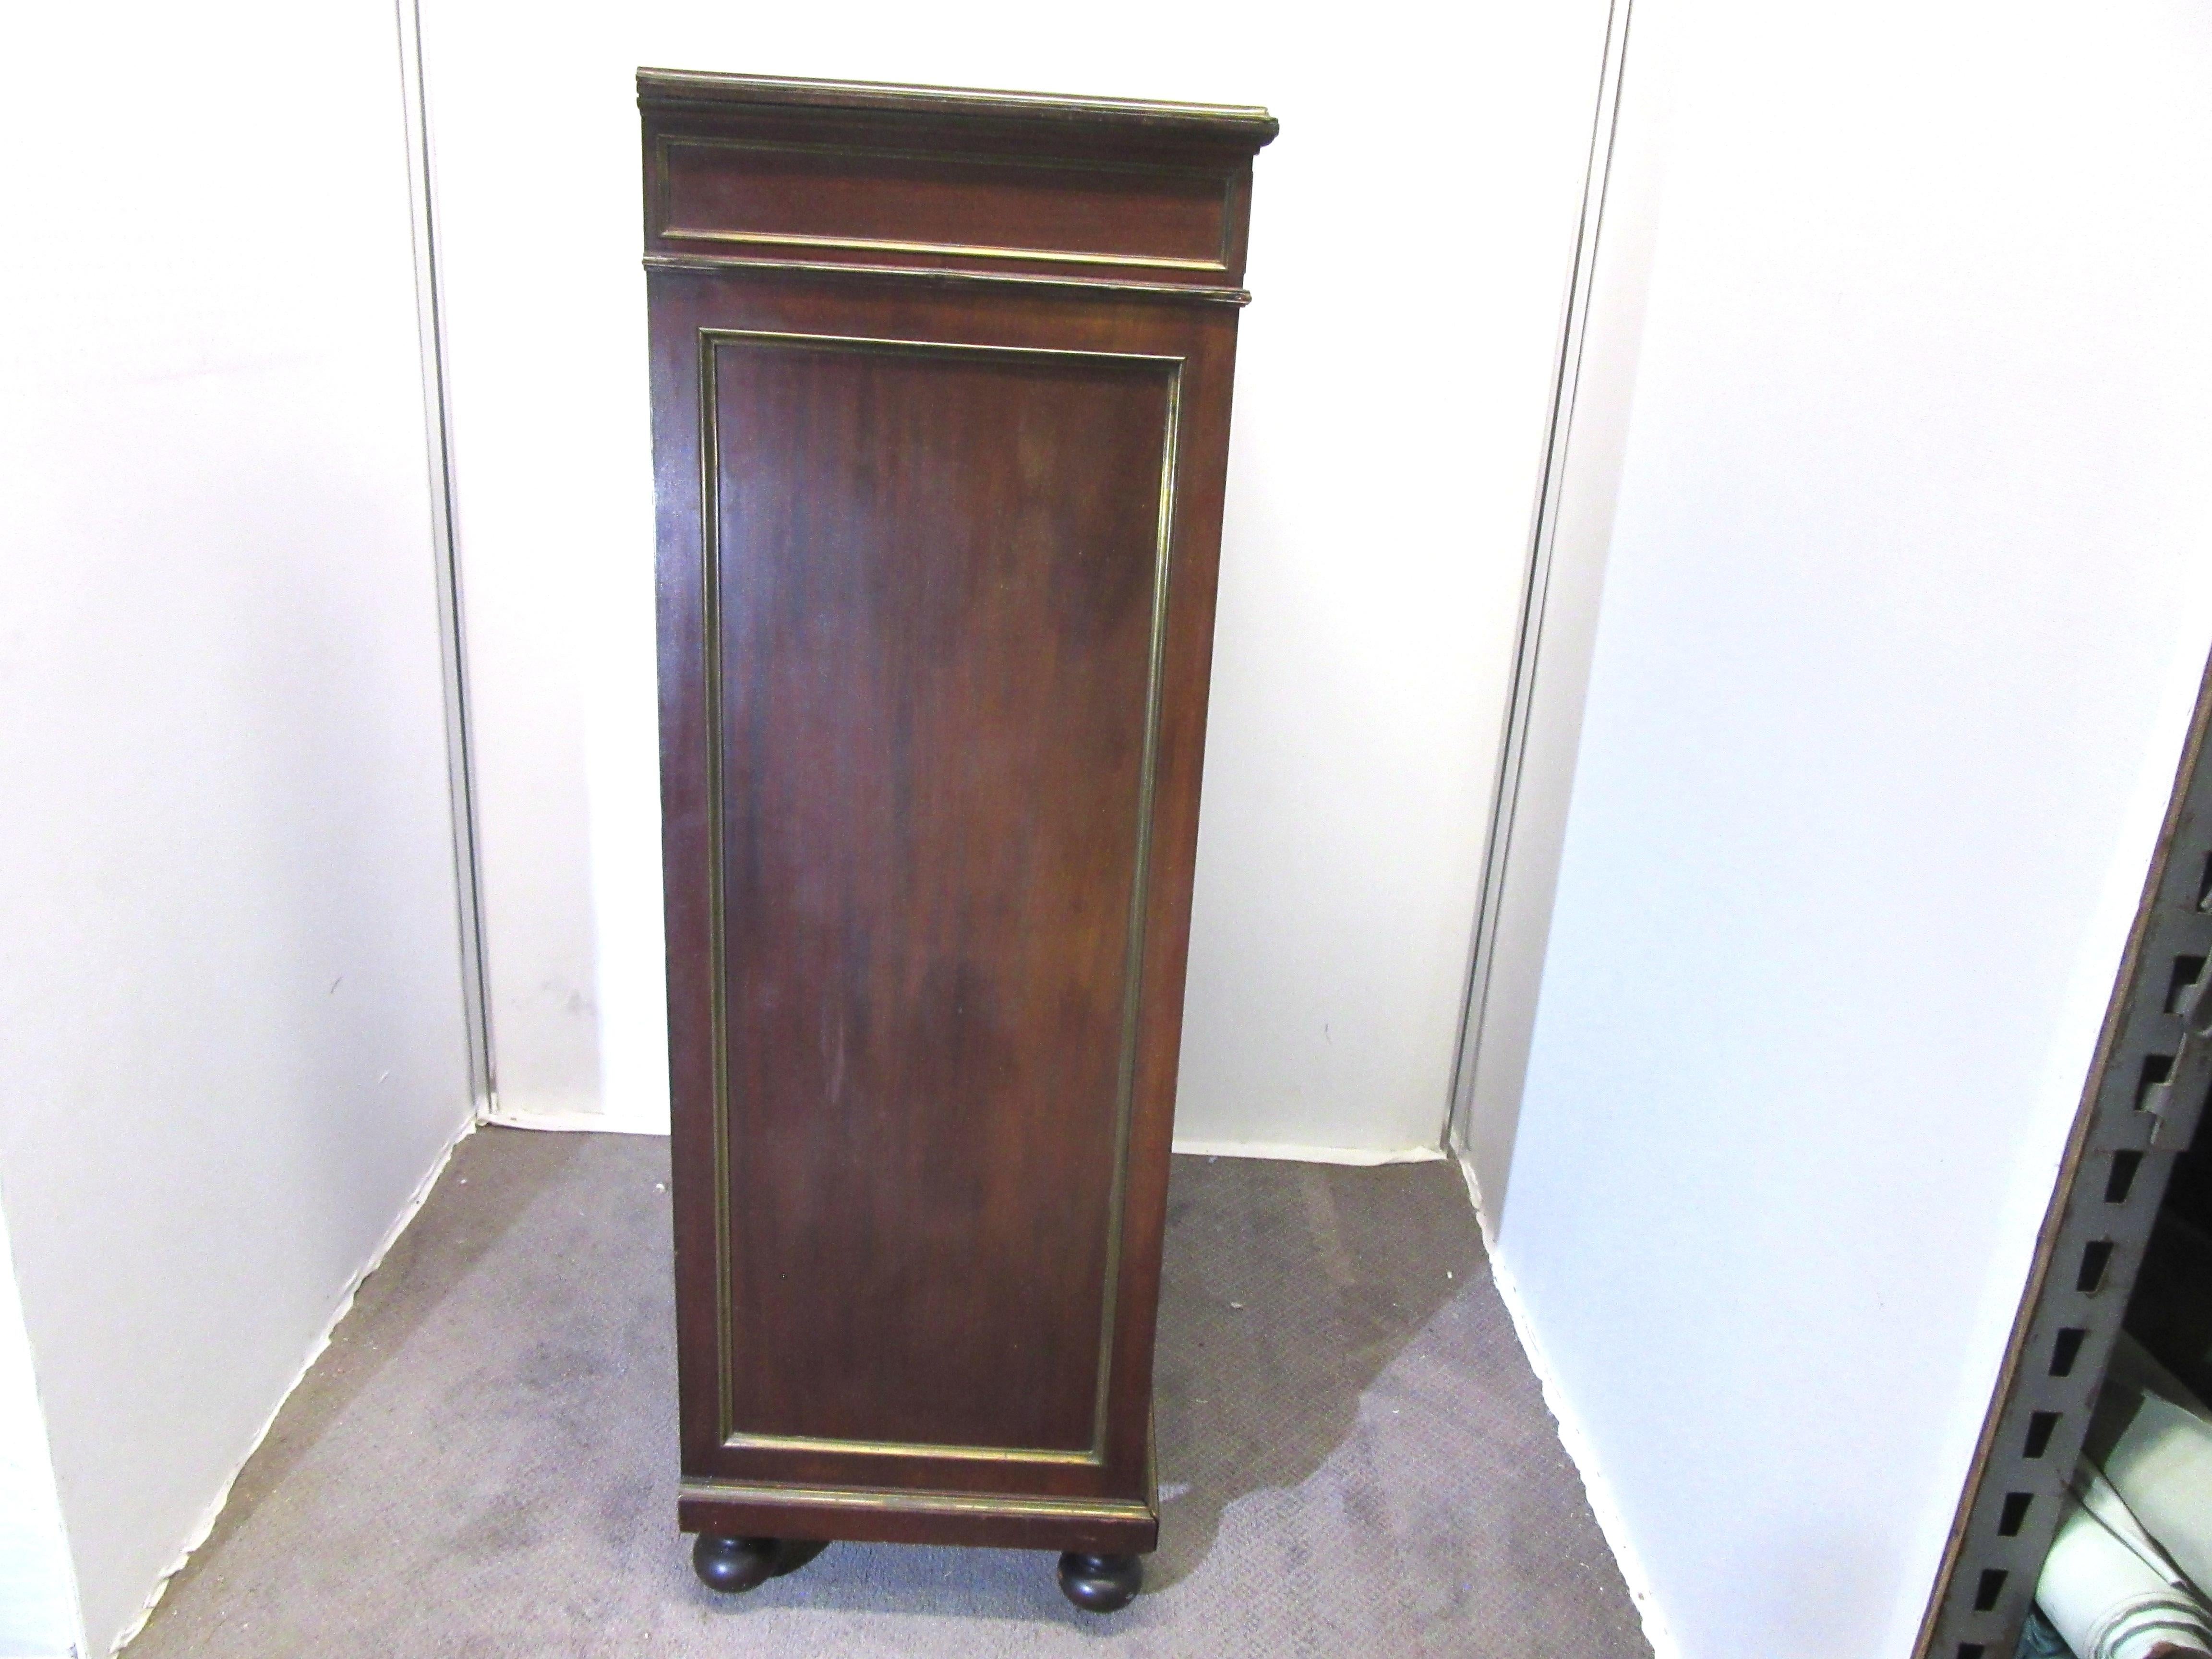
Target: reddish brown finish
{"type": "Point", "coordinates": [910, 559]}
{"type": "Point", "coordinates": [808, 201]}
{"type": "Point", "coordinates": [930, 178]}
{"type": "Point", "coordinates": [936, 673]}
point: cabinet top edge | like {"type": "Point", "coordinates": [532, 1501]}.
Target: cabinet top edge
{"type": "Point", "coordinates": [1246, 126]}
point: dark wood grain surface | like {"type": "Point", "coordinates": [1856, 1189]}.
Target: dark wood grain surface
{"type": "Point", "coordinates": [937, 571]}
{"type": "Point", "coordinates": [889, 203]}
{"type": "Point", "coordinates": [927, 178]}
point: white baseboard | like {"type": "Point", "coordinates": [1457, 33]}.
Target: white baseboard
{"type": "Point", "coordinates": [199, 1534]}
{"type": "Point", "coordinates": [1356, 1155]}
{"type": "Point", "coordinates": [595, 1122]}
{"type": "Point", "coordinates": [1603, 1502]}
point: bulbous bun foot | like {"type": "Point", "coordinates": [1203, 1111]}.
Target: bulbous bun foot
{"type": "Point", "coordinates": [733, 1565]}
{"type": "Point", "coordinates": [1101, 1583]}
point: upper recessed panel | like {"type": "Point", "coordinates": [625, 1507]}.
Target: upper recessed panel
{"type": "Point", "coordinates": [821, 201]}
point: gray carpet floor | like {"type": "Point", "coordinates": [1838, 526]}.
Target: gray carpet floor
{"type": "Point", "coordinates": [1354, 1457]}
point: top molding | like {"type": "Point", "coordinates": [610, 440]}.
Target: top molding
{"type": "Point", "coordinates": [773, 175]}
{"type": "Point", "coordinates": [1243, 127]}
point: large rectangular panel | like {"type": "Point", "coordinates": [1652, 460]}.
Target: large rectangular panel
{"type": "Point", "coordinates": [938, 578]}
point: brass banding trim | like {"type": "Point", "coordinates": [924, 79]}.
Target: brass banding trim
{"type": "Point", "coordinates": [1235, 123]}
{"type": "Point", "coordinates": [1132, 972]}
{"type": "Point", "coordinates": [916, 1503]}
{"type": "Point", "coordinates": [710, 342]}
{"type": "Point", "coordinates": [736, 265]}
{"type": "Point", "coordinates": [710, 593]}
{"type": "Point", "coordinates": [741, 1441]}
{"type": "Point", "coordinates": [958, 249]}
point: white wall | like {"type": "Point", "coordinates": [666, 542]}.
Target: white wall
{"type": "Point", "coordinates": [1905, 601]}
{"type": "Point", "coordinates": [229, 978]}
{"type": "Point", "coordinates": [1588, 440]}
{"type": "Point", "coordinates": [1389, 419]}
{"type": "Point", "coordinates": [37, 1591]}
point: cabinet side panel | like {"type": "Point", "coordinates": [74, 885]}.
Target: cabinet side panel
{"type": "Point", "coordinates": [938, 569]}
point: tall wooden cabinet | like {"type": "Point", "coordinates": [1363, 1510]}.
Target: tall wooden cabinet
{"type": "Point", "coordinates": [941, 393]}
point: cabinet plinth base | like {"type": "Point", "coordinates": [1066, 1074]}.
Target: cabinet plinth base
{"type": "Point", "coordinates": [1100, 1527]}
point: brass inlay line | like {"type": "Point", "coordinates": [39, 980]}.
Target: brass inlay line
{"type": "Point", "coordinates": [733, 264]}
{"type": "Point", "coordinates": [710, 528]}
{"type": "Point", "coordinates": [806, 93]}
{"type": "Point", "coordinates": [964, 250]}
{"type": "Point", "coordinates": [1132, 973]}
{"type": "Point", "coordinates": [710, 340]}
{"type": "Point", "coordinates": [742, 1441]}
{"type": "Point", "coordinates": [937, 1503]}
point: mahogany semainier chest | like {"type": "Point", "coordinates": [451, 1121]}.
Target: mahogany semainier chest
{"type": "Point", "coordinates": [941, 397]}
